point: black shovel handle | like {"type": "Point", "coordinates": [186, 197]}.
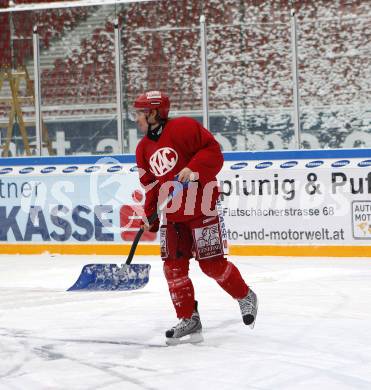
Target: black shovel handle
{"type": "Point", "coordinates": [137, 238]}
{"type": "Point", "coordinates": [152, 218]}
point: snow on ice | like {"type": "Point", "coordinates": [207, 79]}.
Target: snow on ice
{"type": "Point", "coordinates": [312, 329]}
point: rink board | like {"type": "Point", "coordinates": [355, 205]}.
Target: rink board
{"type": "Point", "coordinates": [281, 203]}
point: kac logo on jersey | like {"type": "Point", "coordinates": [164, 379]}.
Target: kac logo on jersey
{"type": "Point", "coordinates": [163, 161]}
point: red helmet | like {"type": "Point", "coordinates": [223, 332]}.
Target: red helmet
{"type": "Point", "coordinates": [154, 100]}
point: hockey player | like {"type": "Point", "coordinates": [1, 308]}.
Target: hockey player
{"type": "Point", "coordinates": [182, 148]}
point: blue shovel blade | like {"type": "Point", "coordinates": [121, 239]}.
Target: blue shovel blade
{"type": "Point", "coordinates": [101, 277]}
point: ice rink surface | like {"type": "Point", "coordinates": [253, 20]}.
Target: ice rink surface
{"type": "Point", "coordinates": [313, 329]}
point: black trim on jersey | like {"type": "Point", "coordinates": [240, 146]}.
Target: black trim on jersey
{"type": "Point", "coordinates": [155, 134]}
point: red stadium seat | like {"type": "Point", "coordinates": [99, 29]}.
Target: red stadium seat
{"type": "Point", "coordinates": [250, 63]}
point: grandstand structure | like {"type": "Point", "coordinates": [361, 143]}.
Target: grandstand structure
{"type": "Point", "coordinates": [249, 69]}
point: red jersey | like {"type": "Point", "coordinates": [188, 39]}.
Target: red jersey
{"type": "Point", "coordinates": [183, 143]}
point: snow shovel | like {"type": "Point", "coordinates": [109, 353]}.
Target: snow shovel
{"type": "Point", "coordinates": [109, 277]}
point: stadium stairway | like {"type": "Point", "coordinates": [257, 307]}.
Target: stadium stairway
{"type": "Point", "coordinates": [63, 47]}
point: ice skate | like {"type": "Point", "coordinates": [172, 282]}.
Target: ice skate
{"type": "Point", "coordinates": [249, 308]}
{"type": "Point", "coordinates": [188, 330]}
